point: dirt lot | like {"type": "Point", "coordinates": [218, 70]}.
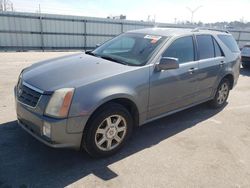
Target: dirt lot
{"type": "Point", "coordinates": [198, 147]}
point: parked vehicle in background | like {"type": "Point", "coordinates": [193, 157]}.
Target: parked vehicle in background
{"type": "Point", "coordinates": [93, 101]}
{"type": "Point", "coordinates": [245, 56]}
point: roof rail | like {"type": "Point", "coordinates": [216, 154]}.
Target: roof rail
{"type": "Point", "coordinates": [197, 29]}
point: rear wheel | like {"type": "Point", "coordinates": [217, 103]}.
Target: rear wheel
{"type": "Point", "coordinates": [221, 94]}
{"type": "Point", "coordinates": [107, 131]}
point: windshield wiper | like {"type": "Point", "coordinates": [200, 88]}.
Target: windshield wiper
{"type": "Point", "coordinates": [112, 59]}
{"type": "Point", "coordinates": [89, 52]}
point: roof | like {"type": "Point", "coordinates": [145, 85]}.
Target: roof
{"type": "Point", "coordinates": [175, 31]}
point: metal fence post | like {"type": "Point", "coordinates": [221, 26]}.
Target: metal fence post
{"type": "Point", "coordinates": [41, 32]}
{"type": "Point", "coordinates": [239, 37]}
{"type": "Point", "coordinates": [85, 34]}
{"type": "Point", "coordinates": [121, 27]}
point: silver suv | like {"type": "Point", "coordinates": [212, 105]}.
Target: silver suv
{"type": "Point", "coordinates": [93, 101]}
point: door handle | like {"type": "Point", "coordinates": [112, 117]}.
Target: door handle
{"type": "Point", "coordinates": [192, 70]}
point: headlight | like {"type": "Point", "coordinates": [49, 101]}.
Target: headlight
{"type": "Point", "coordinates": [60, 102]}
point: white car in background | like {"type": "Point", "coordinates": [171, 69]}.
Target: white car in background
{"type": "Point", "coordinates": [245, 56]}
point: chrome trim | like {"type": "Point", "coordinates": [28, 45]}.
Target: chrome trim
{"type": "Point", "coordinates": [27, 104]}
{"type": "Point", "coordinates": [33, 88]}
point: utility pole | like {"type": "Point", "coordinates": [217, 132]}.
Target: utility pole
{"type": "Point", "coordinates": [39, 9]}
{"type": "Point", "coordinates": [192, 11]}
{"type": "Point", "coordinates": [175, 20]}
{"type": "Point", "coordinates": [1, 5]}
{"type": "Point", "coordinates": [4, 5]}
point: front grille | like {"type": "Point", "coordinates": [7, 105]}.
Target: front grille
{"type": "Point", "coordinates": [27, 95]}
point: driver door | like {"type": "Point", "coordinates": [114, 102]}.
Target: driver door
{"type": "Point", "coordinates": [174, 89]}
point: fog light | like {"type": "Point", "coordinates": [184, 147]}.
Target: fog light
{"type": "Point", "coordinates": [46, 129]}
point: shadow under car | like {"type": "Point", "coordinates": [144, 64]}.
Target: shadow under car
{"type": "Point", "coordinates": [24, 161]}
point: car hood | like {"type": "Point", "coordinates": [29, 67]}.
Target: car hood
{"type": "Point", "coordinates": [70, 71]}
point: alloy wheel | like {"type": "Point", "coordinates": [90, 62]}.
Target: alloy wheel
{"type": "Point", "coordinates": [111, 132]}
{"type": "Point", "coordinates": [222, 93]}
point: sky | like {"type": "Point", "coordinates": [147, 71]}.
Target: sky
{"type": "Point", "coordinates": [163, 10]}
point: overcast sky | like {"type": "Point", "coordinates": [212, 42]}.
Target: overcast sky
{"type": "Point", "coordinates": [164, 11]}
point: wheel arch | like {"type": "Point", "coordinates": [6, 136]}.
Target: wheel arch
{"type": "Point", "coordinates": [230, 78]}
{"type": "Point", "coordinates": [126, 102]}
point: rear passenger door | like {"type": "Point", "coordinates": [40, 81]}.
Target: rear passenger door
{"type": "Point", "coordinates": [211, 61]}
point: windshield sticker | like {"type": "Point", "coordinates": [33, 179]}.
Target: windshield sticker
{"type": "Point", "coordinates": [153, 38]}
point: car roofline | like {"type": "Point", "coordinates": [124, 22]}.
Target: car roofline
{"type": "Point", "coordinates": [168, 32]}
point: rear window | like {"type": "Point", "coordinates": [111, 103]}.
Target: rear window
{"type": "Point", "coordinates": [230, 42]}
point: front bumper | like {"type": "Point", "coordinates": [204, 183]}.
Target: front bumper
{"type": "Point", "coordinates": [43, 139]}
{"type": "Point", "coordinates": [32, 121]}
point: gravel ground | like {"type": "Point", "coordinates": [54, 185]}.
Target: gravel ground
{"type": "Point", "coordinates": [198, 147]}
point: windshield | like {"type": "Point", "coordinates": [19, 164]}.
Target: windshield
{"type": "Point", "coordinates": [129, 48]}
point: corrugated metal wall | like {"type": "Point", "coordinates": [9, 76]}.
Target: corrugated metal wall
{"type": "Point", "coordinates": [27, 31]}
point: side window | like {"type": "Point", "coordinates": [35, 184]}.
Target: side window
{"type": "Point", "coordinates": [217, 49]}
{"type": "Point", "coordinates": [182, 48]}
{"type": "Point", "coordinates": [230, 42]}
{"type": "Point", "coordinates": [205, 46]}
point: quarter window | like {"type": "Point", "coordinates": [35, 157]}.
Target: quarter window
{"type": "Point", "coordinates": [182, 49]}
{"type": "Point", "coordinates": [230, 42]}
{"type": "Point", "coordinates": [205, 46]}
{"type": "Point", "coordinates": [217, 49]}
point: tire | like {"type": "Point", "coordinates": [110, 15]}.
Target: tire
{"type": "Point", "coordinates": [221, 95]}
{"type": "Point", "coordinates": [102, 136]}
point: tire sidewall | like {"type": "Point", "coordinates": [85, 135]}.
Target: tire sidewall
{"type": "Point", "coordinates": [90, 132]}
{"type": "Point", "coordinates": [215, 102]}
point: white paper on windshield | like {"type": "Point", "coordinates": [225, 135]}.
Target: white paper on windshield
{"type": "Point", "coordinates": [153, 38]}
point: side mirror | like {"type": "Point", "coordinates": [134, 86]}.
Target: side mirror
{"type": "Point", "coordinates": [88, 51]}
{"type": "Point", "coordinates": [167, 63]}
{"type": "Point", "coordinates": [97, 45]}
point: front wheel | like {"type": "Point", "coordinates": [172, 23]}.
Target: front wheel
{"type": "Point", "coordinates": [107, 131]}
{"type": "Point", "coordinates": [221, 94]}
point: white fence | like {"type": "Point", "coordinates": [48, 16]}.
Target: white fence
{"type": "Point", "coordinates": [32, 31]}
